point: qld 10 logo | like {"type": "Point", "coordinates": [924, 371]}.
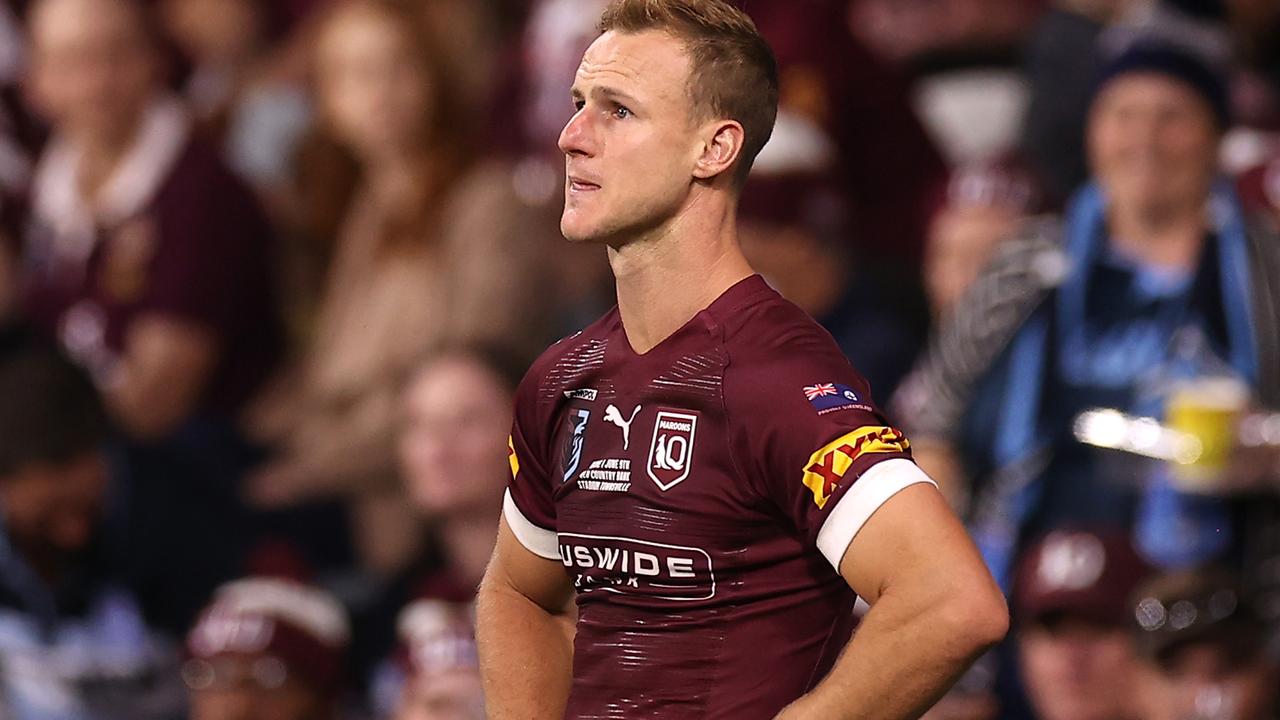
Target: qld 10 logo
{"type": "Point", "coordinates": [671, 450]}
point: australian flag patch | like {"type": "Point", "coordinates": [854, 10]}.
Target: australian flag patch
{"type": "Point", "coordinates": [829, 397]}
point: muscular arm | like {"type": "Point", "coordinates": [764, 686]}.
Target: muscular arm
{"type": "Point", "coordinates": [934, 610]}
{"type": "Point", "coordinates": [526, 654]}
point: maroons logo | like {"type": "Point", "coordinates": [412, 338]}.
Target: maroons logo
{"type": "Point", "coordinates": [671, 450]}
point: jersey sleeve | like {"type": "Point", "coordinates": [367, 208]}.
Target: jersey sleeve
{"type": "Point", "coordinates": [529, 505]}
{"type": "Point", "coordinates": [815, 445]}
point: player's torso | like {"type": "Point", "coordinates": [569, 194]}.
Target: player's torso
{"type": "Point", "coordinates": [648, 499]}
{"type": "Point", "coordinates": [681, 567]}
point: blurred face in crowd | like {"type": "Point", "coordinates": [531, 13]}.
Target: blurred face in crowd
{"type": "Point", "coordinates": [632, 144]}
{"type": "Point", "coordinates": [452, 695]}
{"type": "Point", "coordinates": [93, 69]}
{"type": "Point", "coordinates": [1076, 669]}
{"type": "Point", "coordinates": [1204, 680]}
{"type": "Point", "coordinates": [453, 448]}
{"type": "Point", "coordinates": [235, 687]}
{"type": "Point", "coordinates": [214, 31]}
{"type": "Point", "coordinates": [374, 88]}
{"type": "Point", "coordinates": [53, 510]}
{"type": "Point", "coordinates": [1153, 144]}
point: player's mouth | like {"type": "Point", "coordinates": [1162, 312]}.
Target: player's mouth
{"type": "Point", "coordinates": [580, 185]}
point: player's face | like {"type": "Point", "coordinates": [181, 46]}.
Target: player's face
{"type": "Point", "coordinates": [631, 147]}
{"type": "Point", "coordinates": [1077, 671]}
{"type": "Point", "coordinates": [1153, 144]}
{"type": "Point", "coordinates": [453, 443]}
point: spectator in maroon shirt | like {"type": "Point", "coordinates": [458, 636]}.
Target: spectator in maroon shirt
{"type": "Point", "coordinates": [146, 258]}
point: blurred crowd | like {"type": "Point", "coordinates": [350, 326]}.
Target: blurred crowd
{"type": "Point", "coordinates": [271, 271]}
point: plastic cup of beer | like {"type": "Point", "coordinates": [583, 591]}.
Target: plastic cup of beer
{"type": "Point", "coordinates": [1207, 412]}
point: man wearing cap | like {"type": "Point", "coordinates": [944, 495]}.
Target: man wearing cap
{"type": "Point", "coordinates": [1071, 603]}
{"type": "Point", "coordinates": [267, 649]}
{"type": "Point", "coordinates": [1205, 649]}
{"type": "Point", "coordinates": [1082, 311]}
{"type": "Point", "coordinates": [439, 662]}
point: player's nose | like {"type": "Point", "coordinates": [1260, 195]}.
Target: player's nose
{"type": "Point", "coordinates": [576, 137]}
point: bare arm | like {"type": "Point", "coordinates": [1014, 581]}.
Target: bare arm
{"type": "Point", "coordinates": [526, 655]}
{"type": "Point", "coordinates": [934, 610]}
{"type": "Point", "coordinates": [164, 371]}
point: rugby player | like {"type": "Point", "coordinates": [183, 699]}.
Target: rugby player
{"type": "Point", "coordinates": [701, 466]}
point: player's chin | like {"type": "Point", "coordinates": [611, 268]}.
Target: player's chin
{"type": "Point", "coordinates": [578, 229]}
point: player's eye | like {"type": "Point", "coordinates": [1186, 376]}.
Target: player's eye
{"type": "Point", "coordinates": [579, 104]}
{"type": "Point", "coordinates": [622, 112]}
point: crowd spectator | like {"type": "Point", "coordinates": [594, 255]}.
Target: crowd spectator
{"type": "Point", "coordinates": [77, 640]}
{"type": "Point", "coordinates": [437, 667]}
{"type": "Point", "coordinates": [149, 262]}
{"type": "Point", "coordinates": [146, 258]}
{"type": "Point", "coordinates": [430, 249]}
{"type": "Point", "coordinates": [1081, 311]}
{"type": "Point", "coordinates": [1206, 649]}
{"type": "Point", "coordinates": [457, 414]}
{"type": "Point", "coordinates": [455, 420]}
{"type": "Point", "coordinates": [1072, 605]}
{"type": "Point", "coordinates": [267, 649]}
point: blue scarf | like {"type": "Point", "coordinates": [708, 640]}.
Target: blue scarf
{"type": "Point", "coordinates": [1088, 353]}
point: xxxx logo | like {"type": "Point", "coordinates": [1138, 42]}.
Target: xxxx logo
{"type": "Point", "coordinates": [827, 467]}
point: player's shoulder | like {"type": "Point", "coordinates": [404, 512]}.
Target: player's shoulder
{"type": "Point", "coordinates": [568, 360]}
{"type": "Point", "coordinates": [769, 331]}
{"type": "Point", "coordinates": [778, 354]}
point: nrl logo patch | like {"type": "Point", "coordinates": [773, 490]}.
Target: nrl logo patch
{"type": "Point", "coordinates": [671, 451]}
{"type": "Point", "coordinates": [577, 428]}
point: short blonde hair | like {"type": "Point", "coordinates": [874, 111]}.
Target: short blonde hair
{"type": "Point", "coordinates": [733, 72]}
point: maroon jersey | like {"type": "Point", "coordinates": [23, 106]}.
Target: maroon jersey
{"type": "Point", "coordinates": [701, 497]}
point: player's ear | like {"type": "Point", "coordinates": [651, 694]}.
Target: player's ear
{"type": "Point", "coordinates": [721, 148]}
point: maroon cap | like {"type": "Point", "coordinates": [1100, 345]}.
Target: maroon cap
{"type": "Point", "coordinates": [303, 627]}
{"type": "Point", "coordinates": [437, 637]}
{"type": "Point", "coordinates": [1080, 573]}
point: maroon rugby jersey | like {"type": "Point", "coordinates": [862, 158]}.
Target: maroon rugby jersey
{"type": "Point", "coordinates": [700, 497]}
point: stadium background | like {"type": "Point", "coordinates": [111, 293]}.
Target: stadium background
{"type": "Point", "coordinates": [254, 391]}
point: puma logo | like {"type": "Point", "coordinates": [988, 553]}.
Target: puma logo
{"type": "Point", "coordinates": [613, 415]}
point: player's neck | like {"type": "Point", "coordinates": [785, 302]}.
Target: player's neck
{"type": "Point", "coordinates": [664, 280]}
